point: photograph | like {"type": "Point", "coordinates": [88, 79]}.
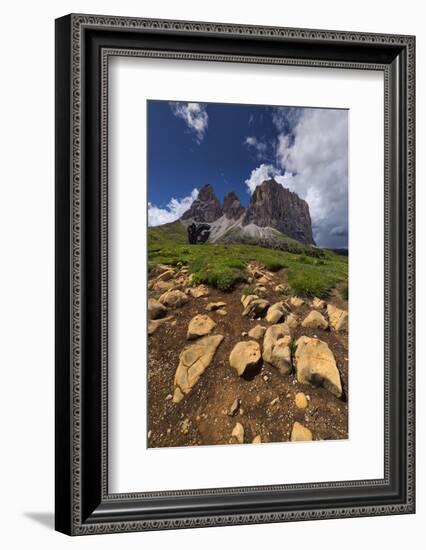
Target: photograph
{"type": "Point", "coordinates": [247, 274]}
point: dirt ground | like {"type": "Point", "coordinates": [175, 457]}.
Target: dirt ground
{"type": "Point", "coordinates": [202, 418]}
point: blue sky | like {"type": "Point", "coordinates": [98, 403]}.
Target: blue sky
{"type": "Point", "coordinates": [236, 147]}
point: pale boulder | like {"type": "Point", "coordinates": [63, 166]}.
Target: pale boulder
{"type": "Point", "coordinates": [247, 299]}
{"type": "Point", "coordinates": [244, 356]}
{"type": "Point", "coordinates": [300, 433]}
{"type": "Point", "coordinates": [193, 361]}
{"type": "Point", "coordinates": [173, 298]}
{"type": "Point", "coordinates": [199, 291]}
{"type": "Point", "coordinates": [338, 318]}
{"type": "Point", "coordinates": [276, 348]}
{"type": "Point", "coordinates": [315, 320]}
{"type": "Point", "coordinates": [256, 308]}
{"type": "Point", "coordinates": [238, 433]}
{"type": "Point", "coordinates": [276, 313]}
{"type": "Point", "coordinates": [317, 303]}
{"type": "Point", "coordinates": [291, 321]}
{"type": "Point", "coordinates": [200, 325]}
{"type": "Point", "coordinates": [295, 301]}
{"type": "Point", "coordinates": [257, 332]}
{"type": "Point", "coordinates": [315, 363]}
{"type": "Point", "coordinates": [156, 309]}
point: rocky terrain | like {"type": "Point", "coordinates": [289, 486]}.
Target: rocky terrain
{"type": "Point", "coordinates": [275, 217]}
{"type": "Point", "coordinates": [253, 365]}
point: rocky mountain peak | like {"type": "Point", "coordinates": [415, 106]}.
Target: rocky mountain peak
{"type": "Point", "coordinates": [272, 205]}
{"type": "Point", "coordinates": [206, 208]}
{"type": "Point", "coordinates": [232, 207]}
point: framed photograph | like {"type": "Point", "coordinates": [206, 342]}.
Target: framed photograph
{"type": "Point", "coordinates": [234, 274]}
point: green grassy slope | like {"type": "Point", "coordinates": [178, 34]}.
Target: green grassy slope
{"type": "Point", "coordinates": [223, 265]}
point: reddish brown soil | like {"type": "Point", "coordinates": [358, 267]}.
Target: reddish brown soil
{"type": "Point", "coordinates": [204, 411]}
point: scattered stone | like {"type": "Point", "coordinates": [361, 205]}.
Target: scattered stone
{"type": "Point", "coordinates": [222, 312]}
{"type": "Point", "coordinates": [315, 363]}
{"type": "Point", "coordinates": [256, 308]}
{"type": "Point", "coordinates": [295, 301]}
{"type": "Point", "coordinates": [281, 288]}
{"type": "Point", "coordinates": [276, 348]}
{"type": "Point", "coordinates": [238, 433]}
{"type": "Point", "coordinates": [291, 320]}
{"type": "Point", "coordinates": [234, 407]}
{"type": "Point", "coordinates": [245, 355]}
{"type": "Point", "coordinates": [276, 313]}
{"type": "Point", "coordinates": [338, 318]}
{"type": "Point", "coordinates": [200, 325]}
{"type": "Point", "coordinates": [257, 439]}
{"type": "Point", "coordinates": [156, 309]}
{"type": "Point", "coordinates": [262, 289]}
{"type": "Point", "coordinates": [262, 280]}
{"type": "Point", "coordinates": [247, 299]}
{"type": "Point", "coordinates": [266, 378]}
{"type": "Point", "coordinates": [241, 411]}
{"type": "Point", "coordinates": [185, 426]}
{"type": "Point", "coordinates": [154, 324]}
{"type": "Point", "coordinates": [169, 396]}
{"type": "Point", "coordinates": [163, 286]}
{"type": "Point", "coordinates": [160, 268]}
{"type": "Point", "coordinates": [274, 401]}
{"type": "Point", "coordinates": [193, 361]}
{"type": "Point", "coordinates": [317, 303]}
{"type": "Point", "coordinates": [300, 433]}
{"type": "Point", "coordinates": [149, 434]}
{"type": "Point", "coordinates": [257, 332]}
{"type": "Point", "coordinates": [213, 306]}
{"type": "Point", "coordinates": [244, 333]}
{"type": "Point", "coordinates": [173, 298]}
{"type": "Point", "coordinates": [165, 275]}
{"type": "Point", "coordinates": [199, 291]}
{"type": "Point", "coordinates": [315, 320]}
{"type": "Point", "coordinates": [301, 400]}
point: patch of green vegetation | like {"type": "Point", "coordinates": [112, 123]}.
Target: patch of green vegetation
{"type": "Point", "coordinates": [223, 265]}
{"type": "Point", "coordinates": [344, 291]}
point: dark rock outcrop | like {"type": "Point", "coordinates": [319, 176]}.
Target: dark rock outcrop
{"type": "Point", "coordinates": [272, 205]}
{"type": "Point", "coordinates": [206, 208]}
{"type": "Point", "coordinates": [232, 207]}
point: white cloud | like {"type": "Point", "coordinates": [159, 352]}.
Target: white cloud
{"type": "Point", "coordinates": [257, 146]}
{"type": "Point", "coordinates": [312, 160]}
{"type": "Point", "coordinates": [265, 172]}
{"type": "Point", "coordinates": [194, 115]}
{"type": "Point", "coordinates": [172, 211]}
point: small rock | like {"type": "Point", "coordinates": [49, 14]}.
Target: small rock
{"type": "Point", "coordinates": [163, 285]}
{"type": "Point", "coordinates": [317, 303]}
{"type": "Point", "coordinates": [258, 398]}
{"type": "Point", "coordinates": [199, 291]}
{"type": "Point", "coordinates": [238, 432]}
{"type": "Point", "coordinates": [257, 439]}
{"type": "Point", "coordinates": [295, 301]}
{"type": "Point", "coordinates": [149, 434]}
{"type": "Point", "coordinates": [256, 308]}
{"type": "Point", "coordinates": [276, 348]}
{"type": "Point", "coordinates": [276, 313]}
{"type": "Point", "coordinates": [257, 332]}
{"type": "Point", "coordinates": [338, 318]}
{"type": "Point", "coordinates": [165, 275]}
{"type": "Point", "coordinates": [281, 288]}
{"type": "Point", "coordinates": [274, 401]}
{"type": "Point", "coordinates": [193, 361]}
{"type": "Point", "coordinates": [156, 309]}
{"type": "Point", "coordinates": [315, 320]}
{"type": "Point", "coordinates": [315, 363]}
{"type": "Point", "coordinates": [234, 407]}
{"type": "Point", "coordinates": [213, 306]}
{"type": "Point", "coordinates": [173, 298]}
{"type": "Point", "coordinates": [300, 433]}
{"type": "Point", "coordinates": [244, 334]}
{"type": "Point", "coordinates": [169, 396]}
{"type": "Point", "coordinates": [262, 280]}
{"type": "Point", "coordinates": [154, 324]}
{"type": "Point", "coordinates": [200, 325]}
{"type": "Point", "coordinates": [222, 312]}
{"type": "Point", "coordinates": [247, 299]}
{"type": "Point", "coordinates": [262, 289]}
{"type": "Point", "coordinates": [185, 426]}
{"type": "Point", "coordinates": [245, 355]}
{"type": "Point", "coordinates": [291, 321]}
{"type": "Point", "coordinates": [301, 401]}
{"type": "Point", "coordinates": [266, 378]}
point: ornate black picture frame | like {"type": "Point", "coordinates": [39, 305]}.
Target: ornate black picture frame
{"type": "Point", "coordinates": [83, 45]}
